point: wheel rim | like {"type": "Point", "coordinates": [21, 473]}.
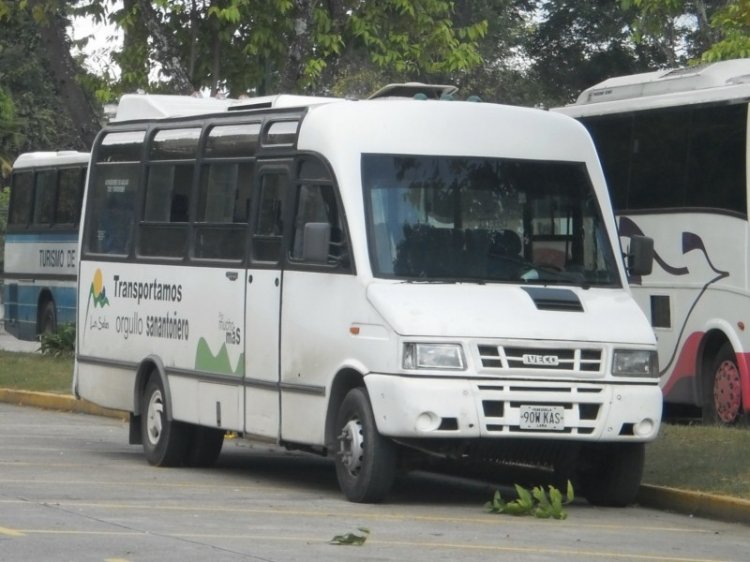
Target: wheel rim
{"type": "Point", "coordinates": [154, 417]}
{"type": "Point", "coordinates": [351, 446]}
{"type": "Point", "coordinates": [727, 395]}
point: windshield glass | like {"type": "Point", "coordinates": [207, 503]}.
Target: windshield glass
{"type": "Point", "coordinates": [440, 218]}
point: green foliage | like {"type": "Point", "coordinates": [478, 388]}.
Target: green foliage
{"type": "Point", "coordinates": [535, 502]}
{"type": "Point", "coordinates": [733, 23]}
{"type": "Point", "coordinates": [351, 539]}
{"type": "Point", "coordinates": [61, 343]}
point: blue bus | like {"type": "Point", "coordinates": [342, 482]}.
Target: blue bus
{"type": "Point", "coordinates": [39, 289]}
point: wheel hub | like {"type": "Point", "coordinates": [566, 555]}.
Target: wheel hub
{"type": "Point", "coordinates": [727, 394]}
{"type": "Point", "coordinates": [154, 418]}
{"type": "Point", "coordinates": [351, 446]}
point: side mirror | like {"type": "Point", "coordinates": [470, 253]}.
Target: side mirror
{"type": "Point", "coordinates": [640, 255]}
{"type": "Point", "coordinates": [317, 239]}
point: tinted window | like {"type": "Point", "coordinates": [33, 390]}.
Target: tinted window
{"type": "Point", "coordinates": [121, 147]}
{"type": "Point", "coordinates": [281, 132]}
{"type": "Point", "coordinates": [69, 195]}
{"type": "Point", "coordinates": [485, 219]}
{"type": "Point", "coordinates": [231, 141]}
{"type": "Point", "coordinates": [224, 194]}
{"type": "Point", "coordinates": [676, 157]}
{"type": "Point", "coordinates": [174, 144]}
{"type": "Point", "coordinates": [110, 222]}
{"type": "Point", "coordinates": [22, 191]}
{"type": "Point", "coordinates": [270, 225]}
{"type": "Point", "coordinates": [44, 197]}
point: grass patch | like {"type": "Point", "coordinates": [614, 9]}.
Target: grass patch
{"type": "Point", "coordinates": [33, 371]}
{"type": "Point", "coordinates": [701, 458]}
{"type": "Point", "coordinates": [691, 457]}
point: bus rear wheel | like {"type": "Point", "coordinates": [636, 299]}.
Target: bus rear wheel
{"type": "Point", "coordinates": [48, 318]}
{"type": "Point", "coordinates": [165, 441]}
{"type": "Point", "coordinates": [722, 391]}
{"type": "Point", "coordinates": [204, 446]}
{"type": "Point", "coordinates": [365, 460]}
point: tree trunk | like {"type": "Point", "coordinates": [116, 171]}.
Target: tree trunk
{"type": "Point", "coordinates": [301, 43]}
{"type": "Point", "coordinates": [169, 55]}
{"type": "Point", "coordinates": [62, 66]}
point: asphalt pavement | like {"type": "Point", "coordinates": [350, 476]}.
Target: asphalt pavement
{"type": "Point", "coordinates": [697, 504]}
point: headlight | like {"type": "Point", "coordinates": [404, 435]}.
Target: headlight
{"type": "Point", "coordinates": [635, 363]}
{"type": "Point", "coordinates": [433, 356]}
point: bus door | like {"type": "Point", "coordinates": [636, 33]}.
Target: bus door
{"type": "Point", "coordinates": [263, 301]}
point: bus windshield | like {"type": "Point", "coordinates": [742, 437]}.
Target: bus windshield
{"type": "Point", "coordinates": [441, 218]}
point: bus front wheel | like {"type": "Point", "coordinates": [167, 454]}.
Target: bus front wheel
{"type": "Point", "coordinates": [365, 460]}
{"type": "Point", "coordinates": [164, 442]}
{"type": "Point", "coordinates": [722, 392]}
{"type": "Point", "coordinates": [611, 474]}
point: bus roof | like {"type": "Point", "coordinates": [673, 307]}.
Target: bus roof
{"type": "Point", "coordinates": [61, 157]}
{"type": "Point", "coordinates": [705, 83]}
{"type": "Point", "coordinates": [157, 106]}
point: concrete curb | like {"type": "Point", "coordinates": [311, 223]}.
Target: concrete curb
{"type": "Point", "coordinates": [60, 402]}
{"type": "Point", "coordinates": [698, 504]}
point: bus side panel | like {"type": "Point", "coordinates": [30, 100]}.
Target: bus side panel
{"type": "Point", "coordinates": [699, 283]}
{"type": "Point", "coordinates": [42, 264]}
{"type": "Point", "coordinates": [318, 311]}
{"type": "Point", "coordinates": [187, 317]}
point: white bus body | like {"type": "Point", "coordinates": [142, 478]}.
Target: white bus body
{"type": "Point", "coordinates": [362, 277]}
{"type": "Point", "coordinates": [673, 145]}
{"type": "Point", "coordinates": [41, 242]}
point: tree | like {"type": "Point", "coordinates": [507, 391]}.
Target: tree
{"type": "Point", "coordinates": [680, 29]}
{"type": "Point", "coordinates": [37, 107]}
{"type": "Point", "coordinates": [732, 23]}
{"type": "Point", "coordinates": [577, 44]}
{"type": "Point", "coordinates": [295, 45]}
{"type": "Point", "coordinates": [41, 79]}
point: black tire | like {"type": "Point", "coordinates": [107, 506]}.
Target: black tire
{"type": "Point", "coordinates": [611, 475]}
{"type": "Point", "coordinates": [722, 391]}
{"type": "Point", "coordinates": [164, 442]}
{"type": "Point", "coordinates": [365, 460]}
{"type": "Point", "coordinates": [48, 318]}
{"type": "Point", "coordinates": [204, 446]}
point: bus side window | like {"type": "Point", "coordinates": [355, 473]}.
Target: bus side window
{"type": "Point", "coordinates": [164, 231]}
{"type": "Point", "coordinates": [22, 192]}
{"type": "Point", "coordinates": [69, 195]}
{"type": "Point", "coordinates": [44, 197]}
{"type": "Point", "coordinates": [269, 227]}
{"type": "Point", "coordinates": [223, 204]}
{"type": "Point", "coordinates": [317, 204]}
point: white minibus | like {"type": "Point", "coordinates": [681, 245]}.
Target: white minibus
{"type": "Point", "coordinates": [365, 278]}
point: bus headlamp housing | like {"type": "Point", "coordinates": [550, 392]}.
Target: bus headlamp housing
{"type": "Point", "coordinates": [635, 363]}
{"type": "Point", "coordinates": [433, 356]}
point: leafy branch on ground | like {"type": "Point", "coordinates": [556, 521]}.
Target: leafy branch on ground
{"type": "Point", "coordinates": [351, 539]}
{"type": "Point", "coordinates": [61, 343]}
{"type": "Point", "coordinates": [535, 502]}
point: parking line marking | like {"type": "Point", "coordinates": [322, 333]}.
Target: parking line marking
{"type": "Point", "coordinates": [596, 554]}
{"type": "Point", "coordinates": [6, 532]}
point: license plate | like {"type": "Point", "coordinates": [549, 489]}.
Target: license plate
{"type": "Point", "coordinates": [543, 417]}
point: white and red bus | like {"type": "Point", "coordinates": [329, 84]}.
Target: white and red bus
{"type": "Point", "coordinates": [674, 148]}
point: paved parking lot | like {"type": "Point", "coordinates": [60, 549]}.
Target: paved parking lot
{"type": "Point", "coordinates": [71, 488]}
